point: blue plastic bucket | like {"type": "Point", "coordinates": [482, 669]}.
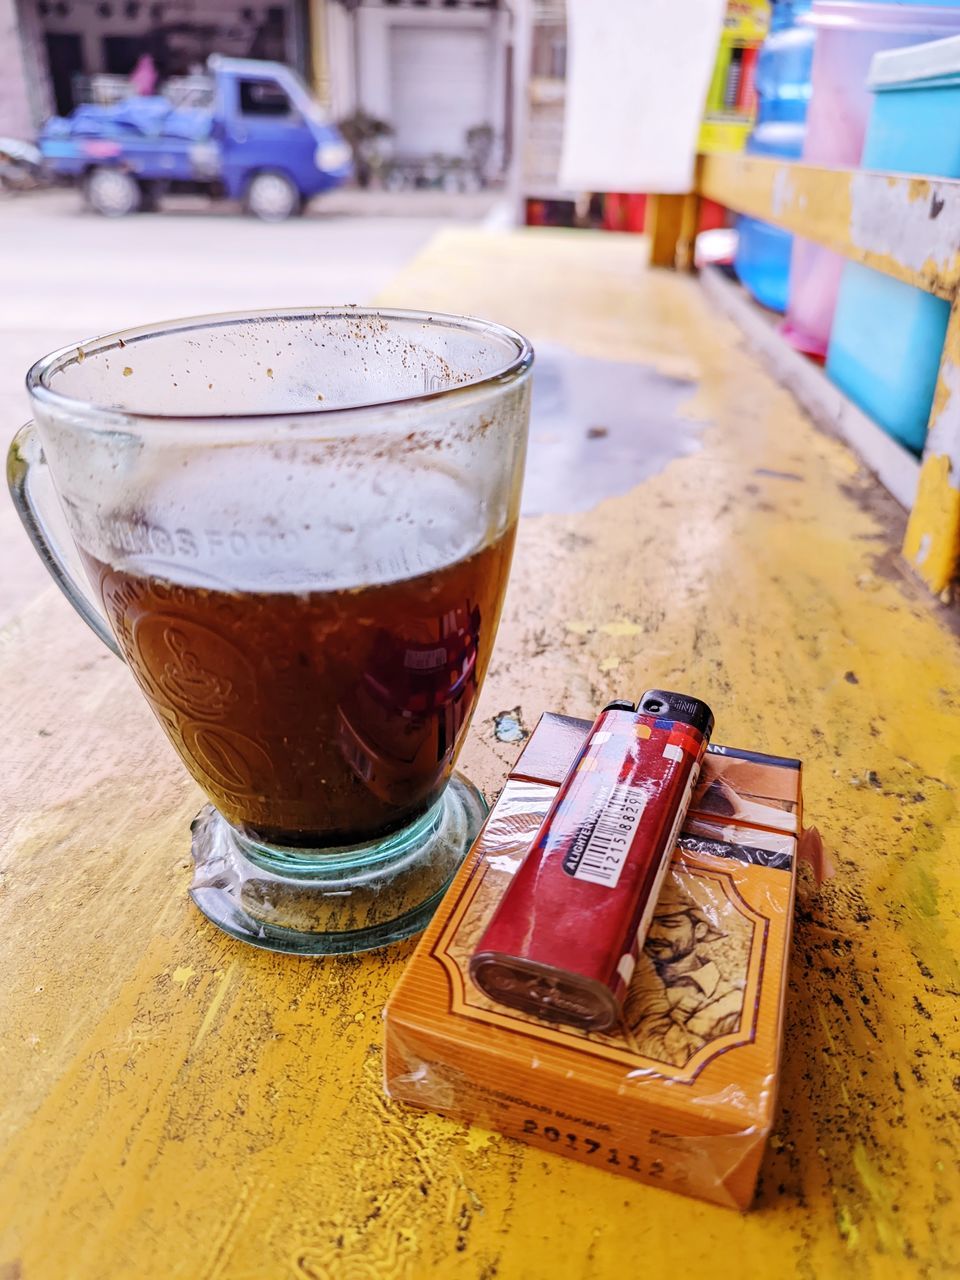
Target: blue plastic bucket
{"type": "Point", "coordinates": [887, 337]}
{"type": "Point", "coordinates": [763, 251]}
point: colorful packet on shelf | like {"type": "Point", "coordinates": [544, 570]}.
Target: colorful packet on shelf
{"type": "Point", "coordinates": [682, 1092]}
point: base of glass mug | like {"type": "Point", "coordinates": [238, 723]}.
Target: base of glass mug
{"type": "Point", "coordinates": [333, 901]}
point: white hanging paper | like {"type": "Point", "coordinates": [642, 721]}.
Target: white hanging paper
{"type": "Point", "coordinates": [638, 72]}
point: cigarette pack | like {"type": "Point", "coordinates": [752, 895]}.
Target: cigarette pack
{"type": "Point", "coordinates": [681, 1092]}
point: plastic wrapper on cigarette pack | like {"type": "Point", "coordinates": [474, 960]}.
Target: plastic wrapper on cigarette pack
{"type": "Point", "coordinates": [681, 1093]}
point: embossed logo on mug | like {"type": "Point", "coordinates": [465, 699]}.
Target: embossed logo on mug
{"type": "Point", "coordinates": [230, 759]}
{"type": "Point", "coordinates": [198, 680]}
{"type": "Point", "coordinates": [123, 535]}
{"type": "Point", "coordinates": [192, 667]}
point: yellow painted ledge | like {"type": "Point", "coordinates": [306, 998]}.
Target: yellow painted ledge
{"type": "Point", "coordinates": [176, 1106]}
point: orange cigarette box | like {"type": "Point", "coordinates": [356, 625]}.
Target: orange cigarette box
{"type": "Point", "coordinates": [682, 1093]}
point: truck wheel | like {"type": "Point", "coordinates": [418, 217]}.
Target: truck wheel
{"type": "Point", "coordinates": [272, 197]}
{"type": "Point", "coordinates": [113, 192]}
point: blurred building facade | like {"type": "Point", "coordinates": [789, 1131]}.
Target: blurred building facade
{"type": "Point", "coordinates": [21, 105]}
{"type": "Point", "coordinates": [62, 43]}
{"type": "Point", "coordinates": [430, 70]}
{"type": "Point", "coordinates": [546, 93]}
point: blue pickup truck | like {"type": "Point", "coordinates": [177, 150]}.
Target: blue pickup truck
{"type": "Point", "coordinates": [250, 131]}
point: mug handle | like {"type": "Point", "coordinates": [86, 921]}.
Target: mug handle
{"type": "Point", "coordinates": [24, 458]}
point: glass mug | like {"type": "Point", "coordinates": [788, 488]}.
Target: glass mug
{"type": "Point", "coordinates": [297, 527]}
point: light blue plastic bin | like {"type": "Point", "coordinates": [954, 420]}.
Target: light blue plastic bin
{"type": "Point", "coordinates": [887, 337]}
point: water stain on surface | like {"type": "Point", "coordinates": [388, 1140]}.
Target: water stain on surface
{"type": "Point", "coordinates": [600, 427]}
{"type": "Point", "coordinates": [508, 726]}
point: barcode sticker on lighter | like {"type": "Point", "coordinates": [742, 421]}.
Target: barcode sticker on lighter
{"type": "Point", "coordinates": [606, 850]}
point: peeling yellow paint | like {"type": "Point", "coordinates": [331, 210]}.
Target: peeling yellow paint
{"type": "Point", "coordinates": [949, 360]}
{"type": "Point", "coordinates": [841, 1083]}
{"type": "Point", "coordinates": [835, 206]}
{"type": "Point", "coordinates": [848, 1228]}
{"type": "Point", "coordinates": [932, 539]}
{"type": "Point", "coordinates": [882, 1200]}
{"type": "Point", "coordinates": [477, 1139]}
{"type": "Point", "coordinates": [214, 1006]}
{"type": "Point", "coordinates": [622, 629]}
{"type": "Point", "coordinates": [182, 974]}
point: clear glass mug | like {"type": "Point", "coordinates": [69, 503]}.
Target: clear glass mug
{"type": "Point", "coordinates": [297, 527]}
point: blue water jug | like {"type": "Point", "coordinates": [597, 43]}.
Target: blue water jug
{"type": "Point", "coordinates": [783, 91]}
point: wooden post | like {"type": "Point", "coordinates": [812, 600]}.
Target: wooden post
{"type": "Point", "coordinates": [672, 227]}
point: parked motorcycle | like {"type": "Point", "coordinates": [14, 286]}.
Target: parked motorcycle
{"type": "Point", "coordinates": [21, 165]}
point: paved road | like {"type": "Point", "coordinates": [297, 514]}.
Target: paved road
{"type": "Point", "coordinates": [66, 275]}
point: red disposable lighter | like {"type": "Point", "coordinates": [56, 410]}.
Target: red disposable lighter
{"type": "Point", "coordinates": [564, 939]}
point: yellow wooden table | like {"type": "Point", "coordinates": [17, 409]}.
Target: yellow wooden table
{"type": "Point", "coordinates": [175, 1104]}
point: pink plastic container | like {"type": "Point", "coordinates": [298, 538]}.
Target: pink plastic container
{"type": "Point", "coordinates": [848, 35]}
